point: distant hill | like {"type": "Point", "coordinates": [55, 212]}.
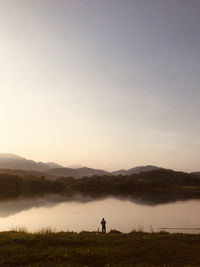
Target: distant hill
{"type": "Point", "coordinates": [53, 165]}
{"type": "Point", "coordinates": [75, 166]}
{"type": "Point", "coordinates": [76, 173]}
{"type": "Point", "coordinates": [136, 170]}
{"type": "Point", "coordinates": [11, 161]}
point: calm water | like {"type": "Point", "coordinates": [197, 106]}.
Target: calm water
{"type": "Point", "coordinates": [79, 213]}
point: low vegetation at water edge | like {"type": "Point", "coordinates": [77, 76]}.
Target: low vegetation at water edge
{"type": "Point", "coordinates": [45, 248]}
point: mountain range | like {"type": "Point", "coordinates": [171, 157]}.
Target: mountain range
{"type": "Point", "coordinates": [14, 164]}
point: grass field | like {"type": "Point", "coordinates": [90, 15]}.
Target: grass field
{"type": "Point", "coordinates": [92, 249]}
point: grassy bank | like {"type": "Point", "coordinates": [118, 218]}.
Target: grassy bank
{"type": "Point", "coordinates": [91, 249]}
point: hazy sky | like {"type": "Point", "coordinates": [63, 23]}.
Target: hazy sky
{"type": "Point", "coordinates": [104, 83]}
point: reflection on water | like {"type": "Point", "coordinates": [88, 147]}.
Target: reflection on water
{"type": "Point", "coordinates": [77, 213]}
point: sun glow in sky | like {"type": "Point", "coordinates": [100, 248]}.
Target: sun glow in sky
{"type": "Point", "coordinates": [106, 84]}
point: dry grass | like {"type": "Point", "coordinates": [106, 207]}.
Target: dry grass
{"type": "Point", "coordinates": [45, 248]}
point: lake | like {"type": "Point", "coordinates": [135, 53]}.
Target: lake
{"type": "Point", "coordinates": [78, 213]}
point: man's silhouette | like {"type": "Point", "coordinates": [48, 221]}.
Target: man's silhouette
{"type": "Point", "coordinates": [103, 223]}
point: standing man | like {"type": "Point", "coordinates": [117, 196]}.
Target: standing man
{"type": "Point", "coordinates": [103, 223]}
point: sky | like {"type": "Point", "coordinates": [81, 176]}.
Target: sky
{"type": "Point", "coordinates": [108, 84]}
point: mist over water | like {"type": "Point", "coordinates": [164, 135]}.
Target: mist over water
{"type": "Point", "coordinates": [78, 213]}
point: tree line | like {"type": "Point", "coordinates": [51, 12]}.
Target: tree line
{"type": "Point", "coordinates": [158, 185]}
